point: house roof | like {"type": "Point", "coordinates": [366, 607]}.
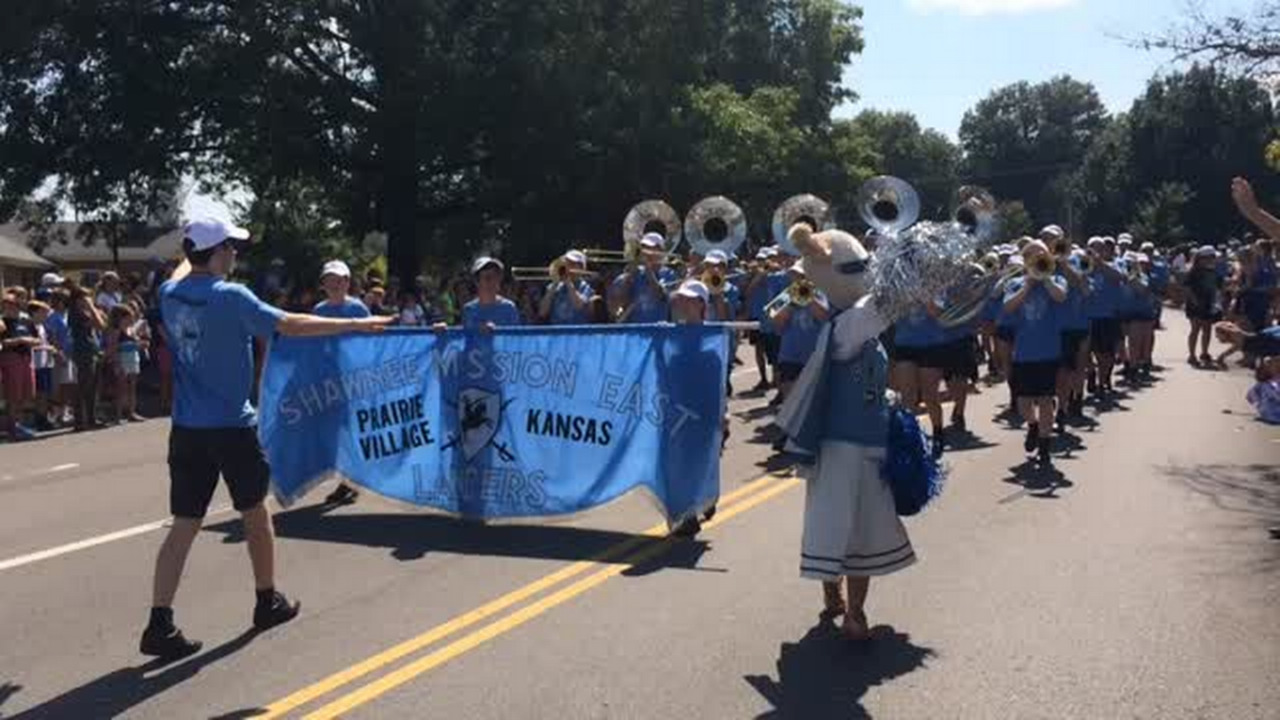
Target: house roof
{"type": "Point", "coordinates": [142, 244]}
{"type": "Point", "coordinates": [15, 253]}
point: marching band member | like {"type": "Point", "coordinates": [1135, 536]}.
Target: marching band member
{"type": "Point", "coordinates": [335, 281]}
{"type": "Point", "coordinates": [1075, 337]}
{"type": "Point", "coordinates": [489, 309]}
{"type": "Point", "coordinates": [798, 324]}
{"type": "Point", "coordinates": [568, 302]}
{"type": "Point", "coordinates": [757, 294]}
{"type": "Point", "coordinates": [956, 358]}
{"type": "Point", "coordinates": [1142, 326]}
{"type": "Point", "coordinates": [1204, 303]}
{"type": "Point", "coordinates": [1102, 309]}
{"type": "Point", "coordinates": [643, 289]}
{"type": "Point", "coordinates": [1032, 303]}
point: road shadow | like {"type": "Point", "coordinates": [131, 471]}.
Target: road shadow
{"type": "Point", "coordinates": [1037, 481]}
{"type": "Point", "coordinates": [115, 693]}
{"type": "Point", "coordinates": [7, 690]}
{"type": "Point", "coordinates": [755, 413]}
{"type": "Point", "coordinates": [1250, 489]}
{"type": "Point", "coordinates": [412, 536]}
{"type": "Point", "coordinates": [1067, 444]}
{"type": "Point", "coordinates": [825, 676]}
{"type": "Point", "coordinates": [964, 441]}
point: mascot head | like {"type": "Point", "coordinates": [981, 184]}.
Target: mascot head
{"type": "Point", "coordinates": [835, 262]}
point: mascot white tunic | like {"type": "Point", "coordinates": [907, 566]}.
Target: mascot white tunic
{"type": "Point", "coordinates": [840, 410]}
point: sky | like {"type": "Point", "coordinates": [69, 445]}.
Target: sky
{"type": "Point", "coordinates": [937, 58]}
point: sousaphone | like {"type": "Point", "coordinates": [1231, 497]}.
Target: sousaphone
{"type": "Point", "coordinates": [715, 223]}
{"type": "Point", "coordinates": [809, 209]}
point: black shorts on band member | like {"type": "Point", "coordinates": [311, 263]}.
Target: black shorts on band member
{"type": "Point", "coordinates": [1071, 342]}
{"type": "Point", "coordinates": [1034, 379]}
{"type": "Point", "coordinates": [1104, 335]}
{"type": "Point", "coordinates": [197, 456]}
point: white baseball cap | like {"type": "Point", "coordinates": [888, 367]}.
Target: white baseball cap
{"type": "Point", "coordinates": [653, 241]}
{"type": "Point", "coordinates": [694, 289]}
{"type": "Point", "coordinates": [51, 279]}
{"type": "Point", "coordinates": [797, 267]}
{"type": "Point", "coordinates": [336, 267]}
{"type": "Point", "coordinates": [1207, 251]}
{"type": "Point", "coordinates": [205, 234]}
{"type": "Point", "coordinates": [1124, 238]}
{"type": "Point", "coordinates": [716, 257]}
{"type": "Point", "coordinates": [485, 261]}
{"type": "Point", "coordinates": [1147, 246]}
{"type": "Point", "coordinates": [763, 254]}
{"type": "Point", "coordinates": [1096, 241]}
{"type": "Point", "coordinates": [1053, 231]}
{"type": "Point", "coordinates": [576, 256]}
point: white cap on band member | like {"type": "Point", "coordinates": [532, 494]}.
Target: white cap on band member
{"type": "Point", "coordinates": [208, 233]}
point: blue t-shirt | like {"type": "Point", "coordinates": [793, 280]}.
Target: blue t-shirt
{"type": "Point", "coordinates": [774, 284]}
{"type": "Point", "coordinates": [57, 332]}
{"type": "Point", "coordinates": [648, 304]}
{"type": "Point", "coordinates": [350, 308]}
{"type": "Point", "coordinates": [500, 313]}
{"type": "Point", "coordinates": [732, 301]}
{"type": "Point", "coordinates": [563, 311]}
{"type": "Point", "coordinates": [210, 325]}
{"type": "Point", "coordinates": [800, 337]}
{"type": "Point", "coordinates": [1036, 323]}
{"type": "Point", "coordinates": [917, 329]}
{"type": "Point", "coordinates": [1072, 312]}
{"type": "Point", "coordinates": [1104, 296]}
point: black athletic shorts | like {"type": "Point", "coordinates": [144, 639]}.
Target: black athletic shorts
{"type": "Point", "coordinates": [197, 456]}
{"type": "Point", "coordinates": [1104, 335]}
{"type": "Point", "coordinates": [789, 371]}
{"type": "Point", "coordinates": [1261, 345]}
{"type": "Point", "coordinates": [957, 359]}
{"type": "Point", "coordinates": [910, 354]}
{"type": "Point", "coordinates": [1034, 379]}
{"type": "Point", "coordinates": [753, 337]}
{"type": "Point", "coordinates": [1071, 342]}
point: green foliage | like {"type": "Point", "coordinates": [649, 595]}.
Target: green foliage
{"type": "Point", "coordinates": [1160, 215]}
{"type": "Point", "coordinates": [1273, 155]}
{"type": "Point", "coordinates": [1015, 221]}
{"type": "Point", "coordinates": [1024, 141]}
{"type": "Point", "coordinates": [452, 126]}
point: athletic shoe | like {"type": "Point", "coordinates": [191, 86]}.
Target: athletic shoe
{"type": "Point", "coordinates": [21, 432]}
{"type": "Point", "coordinates": [1060, 420]}
{"type": "Point", "coordinates": [937, 446]}
{"type": "Point", "coordinates": [343, 495]}
{"type": "Point", "coordinates": [276, 612]}
{"type": "Point", "coordinates": [688, 528]}
{"type": "Point", "coordinates": [1044, 458]}
{"type": "Point", "coordinates": [958, 423]}
{"type": "Point", "coordinates": [167, 643]}
{"type": "Point", "coordinates": [1033, 432]}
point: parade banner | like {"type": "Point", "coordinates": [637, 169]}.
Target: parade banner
{"type": "Point", "coordinates": [520, 423]}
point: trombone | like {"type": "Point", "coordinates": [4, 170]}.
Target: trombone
{"type": "Point", "coordinates": [800, 293]}
{"type": "Point", "coordinates": [557, 271]}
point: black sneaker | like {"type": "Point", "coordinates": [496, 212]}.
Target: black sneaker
{"type": "Point", "coordinates": [1091, 382]}
{"type": "Point", "coordinates": [167, 643]}
{"type": "Point", "coordinates": [277, 612]}
{"type": "Point", "coordinates": [1060, 420]}
{"type": "Point", "coordinates": [342, 495]}
{"type": "Point", "coordinates": [1044, 458]}
{"type": "Point", "coordinates": [938, 445]}
{"type": "Point", "coordinates": [958, 424]}
{"type": "Point", "coordinates": [709, 513]}
{"type": "Point", "coordinates": [1033, 433]}
{"type": "Point", "coordinates": [688, 528]}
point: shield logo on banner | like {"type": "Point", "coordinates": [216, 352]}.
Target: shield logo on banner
{"type": "Point", "coordinates": [479, 413]}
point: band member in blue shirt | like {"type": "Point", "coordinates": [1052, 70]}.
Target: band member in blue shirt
{"type": "Point", "coordinates": [210, 325]}
{"type": "Point", "coordinates": [489, 309]}
{"type": "Point", "coordinates": [756, 291]}
{"type": "Point", "coordinates": [1032, 303]}
{"type": "Point", "coordinates": [335, 280]}
{"type": "Point", "coordinates": [644, 289]}
{"type": "Point", "coordinates": [798, 324]}
{"type": "Point", "coordinates": [568, 302]}
{"type": "Point", "coordinates": [1074, 320]}
{"type": "Point", "coordinates": [1103, 309]}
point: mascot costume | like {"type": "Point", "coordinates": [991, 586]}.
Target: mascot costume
{"type": "Point", "coordinates": [872, 461]}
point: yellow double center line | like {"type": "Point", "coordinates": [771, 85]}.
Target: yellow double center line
{"type": "Point", "coordinates": [755, 493]}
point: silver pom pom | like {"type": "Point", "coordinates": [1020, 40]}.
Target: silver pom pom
{"type": "Point", "coordinates": [920, 264]}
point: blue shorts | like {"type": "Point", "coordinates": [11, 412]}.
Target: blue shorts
{"type": "Point", "coordinates": [44, 381]}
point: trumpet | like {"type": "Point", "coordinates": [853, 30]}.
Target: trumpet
{"type": "Point", "coordinates": [715, 282]}
{"type": "Point", "coordinates": [557, 271]}
{"type": "Point", "coordinates": [800, 293]}
{"type": "Point", "coordinates": [990, 263]}
{"type": "Point", "coordinates": [1088, 264]}
{"type": "Point", "coordinates": [1041, 267]}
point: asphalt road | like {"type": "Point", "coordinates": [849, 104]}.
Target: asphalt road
{"type": "Point", "coordinates": [1136, 582]}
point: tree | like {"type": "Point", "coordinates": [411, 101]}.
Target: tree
{"type": "Point", "coordinates": [1250, 42]}
{"type": "Point", "coordinates": [446, 124]}
{"type": "Point", "coordinates": [1015, 221]}
{"type": "Point", "coordinates": [1160, 215]}
{"type": "Point", "coordinates": [924, 158]}
{"type": "Point", "coordinates": [1024, 141]}
{"type": "Point", "coordinates": [1201, 128]}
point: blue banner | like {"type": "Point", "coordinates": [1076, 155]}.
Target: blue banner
{"type": "Point", "coordinates": [521, 423]}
